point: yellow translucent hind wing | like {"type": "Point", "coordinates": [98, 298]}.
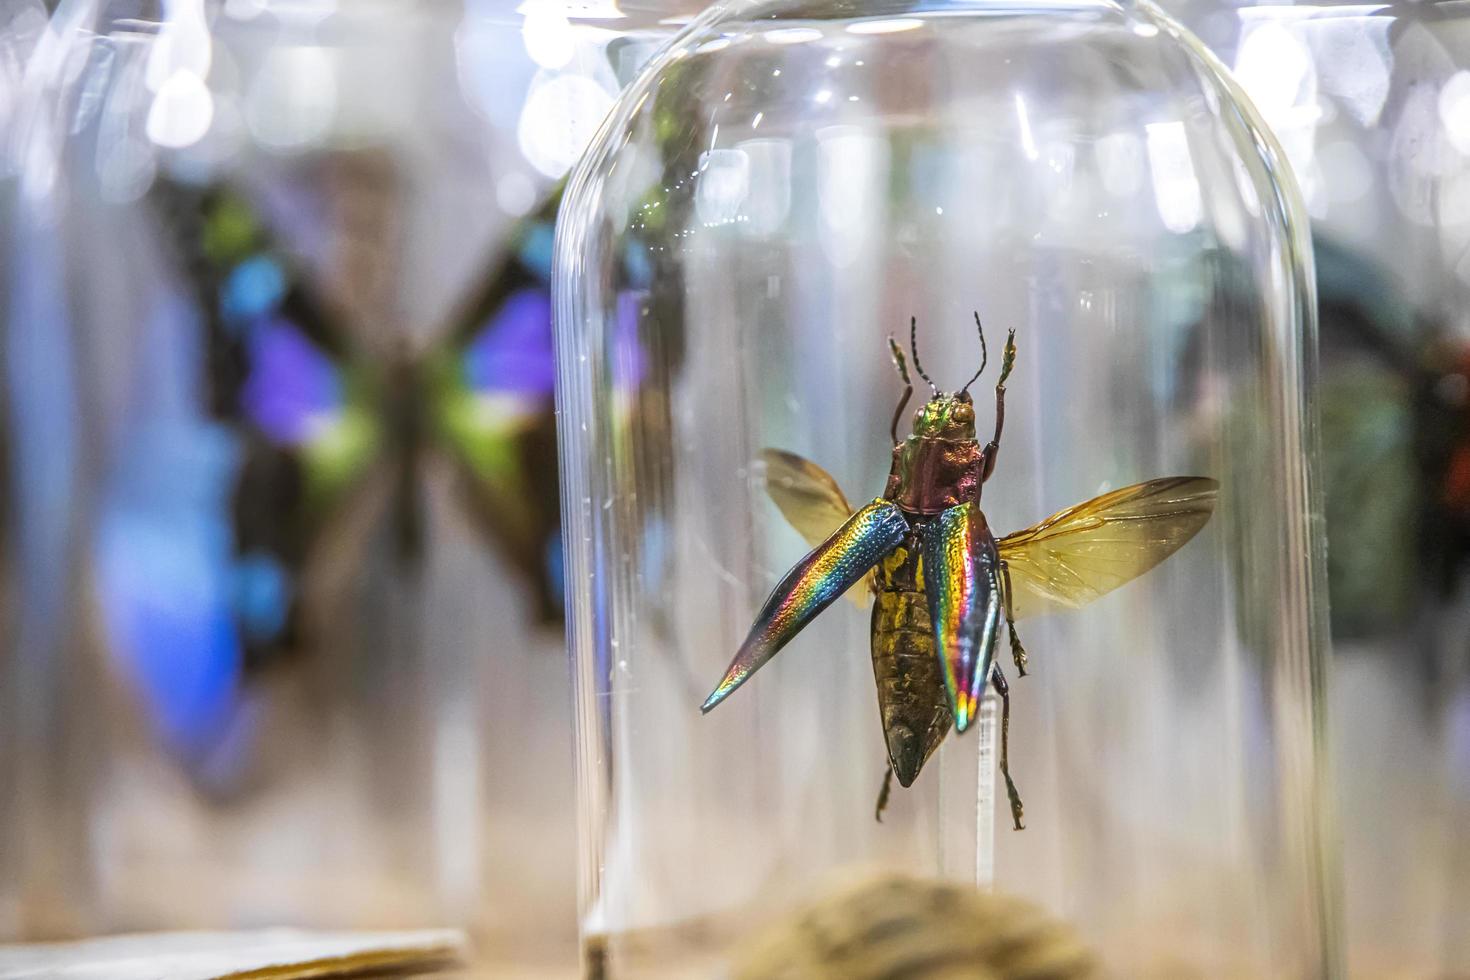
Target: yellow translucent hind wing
{"type": "Point", "coordinates": [1088, 550]}
{"type": "Point", "coordinates": [811, 501]}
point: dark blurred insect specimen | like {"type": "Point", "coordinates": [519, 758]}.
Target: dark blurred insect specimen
{"type": "Point", "coordinates": [1394, 391]}
{"type": "Point", "coordinates": [941, 579]}
{"type": "Point", "coordinates": [306, 417]}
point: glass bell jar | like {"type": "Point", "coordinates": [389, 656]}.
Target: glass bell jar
{"type": "Point", "coordinates": [282, 506]}
{"type": "Point", "coordinates": [786, 187]}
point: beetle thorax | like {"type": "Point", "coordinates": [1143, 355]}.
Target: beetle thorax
{"type": "Point", "coordinates": [939, 465]}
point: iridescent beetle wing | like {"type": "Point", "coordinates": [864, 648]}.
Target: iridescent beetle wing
{"type": "Point", "coordinates": [811, 501]}
{"type": "Point", "coordinates": [962, 584]}
{"type": "Point", "coordinates": [1088, 550]}
{"type": "Point", "coordinates": [812, 585]}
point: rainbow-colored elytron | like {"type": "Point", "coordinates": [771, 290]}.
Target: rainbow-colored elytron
{"type": "Point", "coordinates": [817, 581]}
{"type": "Point", "coordinates": [940, 577]}
{"type": "Point", "coordinates": [964, 600]}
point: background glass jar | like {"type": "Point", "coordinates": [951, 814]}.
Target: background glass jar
{"type": "Point", "coordinates": [283, 496]}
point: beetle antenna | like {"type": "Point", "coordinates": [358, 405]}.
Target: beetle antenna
{"type": "Point", "coordinates": [984, 355]}
{"type": "Point", "coordinates": [914, 349]}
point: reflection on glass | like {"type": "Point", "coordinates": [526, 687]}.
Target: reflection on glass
{"type": "Point", "coordinates": [21, 27]}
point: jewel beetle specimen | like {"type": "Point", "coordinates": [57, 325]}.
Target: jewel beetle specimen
{"type": "Point", "coordinates": [940, 578]}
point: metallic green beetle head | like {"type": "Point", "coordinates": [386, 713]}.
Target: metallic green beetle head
{"type": "Point", "coordinates": [946, 416]}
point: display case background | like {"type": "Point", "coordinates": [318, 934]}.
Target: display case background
{"type": "Point", "coordinates": [1370, 103]}
{"type": "Point", "coordinates": [414, 767]}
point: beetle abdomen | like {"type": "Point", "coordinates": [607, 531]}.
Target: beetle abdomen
{"type": "Point", "coordinates": [911, 698]}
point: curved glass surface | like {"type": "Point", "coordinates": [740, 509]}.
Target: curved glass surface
{"type": "Point", "coordinates": [781, 190]}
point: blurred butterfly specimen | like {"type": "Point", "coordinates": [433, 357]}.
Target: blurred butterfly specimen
{"type": "Point", "coordinates": [303, 413]}
{"type": "Point", "coordinates": [941, 579]}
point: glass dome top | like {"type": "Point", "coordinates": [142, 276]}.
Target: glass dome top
{"type": "Point", "coordinates": [785, 187]}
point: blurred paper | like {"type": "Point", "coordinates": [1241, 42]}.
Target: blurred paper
{"type": "Point", "coordinates": [273, 954]}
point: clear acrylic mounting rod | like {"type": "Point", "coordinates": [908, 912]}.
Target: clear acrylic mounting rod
{"type": "Point", "coordinates": [985, 764]}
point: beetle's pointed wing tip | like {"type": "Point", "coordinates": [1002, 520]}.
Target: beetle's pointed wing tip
{"type": "Point", "coordinates": [964, 699]}
{"type": "Point", "coordinates": [965, 708]}
{"type": "Point", "coordinates": [738, 673]}
{"type": "Point", "coordinates": [715, 697]}
{"type": "Point", "coordinates": [733, 679]}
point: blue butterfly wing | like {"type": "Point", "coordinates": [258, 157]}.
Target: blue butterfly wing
{"type": "Point", "coordinates": [163, 561]}
{"type": "Point", "coordinates": [494, 394]}
{"type": "Point", "coordinates": [493, 386]}
{"type": "Point", "coordinates": [207, 520]}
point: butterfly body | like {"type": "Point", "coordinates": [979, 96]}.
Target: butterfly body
{"type": "Point", "coordinates": [286, 367]}
{"type": "Point", "coordinates": [940, 579]}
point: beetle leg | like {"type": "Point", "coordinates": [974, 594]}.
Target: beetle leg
{"type": "Point", "coordinates": [1018, 652]}
{"type": "Point", "coordinates": [903, 402]}
{"type": "Point", "coordinates": [908, 386]}
{"type": "Point", "coordinates": [883, 793]}
{"type": "Point", "coordinates": [992, 448]}
{"type": "Point", "coordinates": [998, 678]}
